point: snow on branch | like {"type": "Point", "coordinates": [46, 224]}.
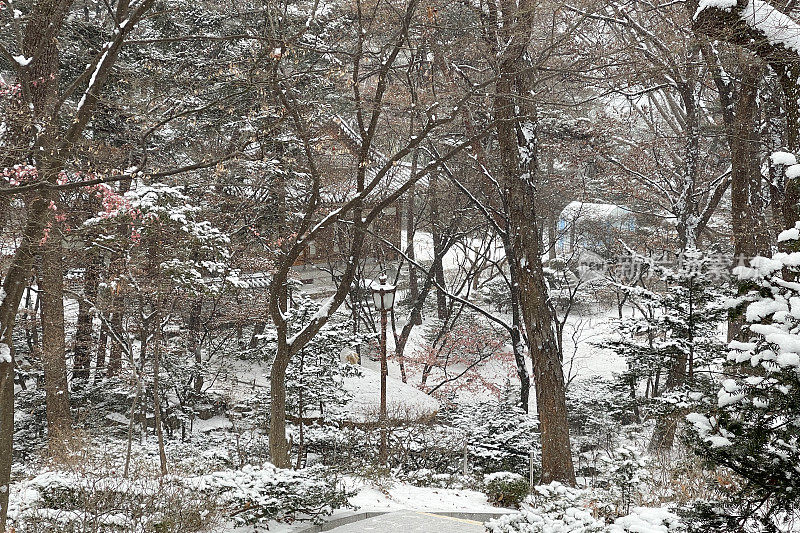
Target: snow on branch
{"type": "Point", "coordinates": [777, 28]}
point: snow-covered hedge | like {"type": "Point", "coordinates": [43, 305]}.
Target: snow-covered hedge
{"type": "Point", "coordinates": [60, 501]}
{"type": "Point", "coordinates": [105, 501]}
{"type": "Point", "coordinates": [499, 437]}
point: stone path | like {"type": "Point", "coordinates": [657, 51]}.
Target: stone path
{"type": "Point", "coordinates": [412, 522]}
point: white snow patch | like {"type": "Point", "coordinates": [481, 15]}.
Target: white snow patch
{"type": "Point", "coordinates": [725, 5]}
{"type": "Point", "coordinates": [791, 234]}
{"type": "Point", "coordinates": [792, 171]}
{"type": "Point", "coordinates": [778, 158]}
{"type": "Point", "coordinates": [402, 400]}
{"type": "Point", "coordinates": [404, 496]}
{"type": "Point", "coordinates": [5, 353]}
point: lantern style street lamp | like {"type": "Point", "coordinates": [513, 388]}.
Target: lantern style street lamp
{"type": "Point", "coordinates": [383, 298]}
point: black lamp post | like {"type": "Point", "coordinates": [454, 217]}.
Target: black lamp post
{"type": "Point", "coordinates": [383, 298]}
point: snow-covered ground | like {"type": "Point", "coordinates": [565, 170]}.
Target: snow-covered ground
{"type": "Point", "coordinates": [401, 399]}
{"type": "Point", "coordinates": [402, 497]}
{"type": "Point", "coordinates": [582, 357]}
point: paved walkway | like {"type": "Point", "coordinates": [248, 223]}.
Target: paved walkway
{"type": "Point", "coordinates": [412, 522]}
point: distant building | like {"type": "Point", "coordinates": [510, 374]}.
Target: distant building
{"type": "Point", "coordinates": [337, 151]}
{"type": "Point", "coordinates": [586, 226]}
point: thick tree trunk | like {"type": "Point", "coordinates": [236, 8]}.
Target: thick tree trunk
{"type": "Point", "coordinates": [278, 445]}
{"type": "Point", "coordinates": [731, 25]}
{"type": "Point", "coordinates": [747, 218]}
{"type": "Point", "coordinates": [516, 137]}
{"type": "Point", "coordinates": [537, 313]}
{"type": "Point", "coordinates": [83, 334]}
{"type": "Point", "coordinates": [53, 347]}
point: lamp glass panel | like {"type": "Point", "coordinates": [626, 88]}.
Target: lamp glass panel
{"type": "Point", "coordinates": [376, 299]}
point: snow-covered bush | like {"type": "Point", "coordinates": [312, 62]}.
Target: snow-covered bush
{"type": "Point", "coordinates": [648, 520]}
{"type": "Point", "coordinates": [90, 497]}
{"type": "Point", "coordinates": [505, 488]}
{"type": "Point", "coordinates": [425, 477]}
{"type": "Point", "coordinates": [254, 494]}
{"type": "Point", "coordinates": [628, 474]}
{"type": "Point", "coordinates": [499, 435]}
{"type": "Point", "coordinates": [60, 501]}
{"type": "Point", "coordinates": [550, 508]}
{"type": "Point", "coordinates": [555, 508]}
{"type": "Point", "coordinates": [752, 424]}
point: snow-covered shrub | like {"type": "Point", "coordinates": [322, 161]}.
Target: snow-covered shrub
{"type": "Point", "coordinates": [60, 501]}
{"type": "Point", "coordinates": [550, 508]}
{"type": "Point", "coordinates": [499, 435]}
{"type": "Point", "coordinates": [425, 477]}
{"type": "Point", "coordinates": [628, 474]}
{"type": "Point", "coordinates": [555, 508]}
{"type": "Point", "coordinates": [752, 424]}
{"type": "Point", "coordinates": [505, 488]}
{"type": "Point", "coordinates": [596, 413]}
{"type": "Point", "coordinates": [648, 520]}
{"type": "Point", "coordinates": [254, 494]}
{"type": "Point", "coordinates": [497, 293]}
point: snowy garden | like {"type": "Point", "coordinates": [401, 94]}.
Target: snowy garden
{"type": "Point", "coordinates": [383, 265]}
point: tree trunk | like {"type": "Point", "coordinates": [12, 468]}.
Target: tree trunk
{"type": "Point", "coordinates": [115, 352]}
{"type": "Point", "coordinates": [13, 286]}
{"type": "Point", "coordinates": [278, 445]}
{"type": "Point", "coordinates": [413, 282]}
{"type": "Point", "coordinates": [258, 329]}
{"type": "Point", "coordinates": [53, 347]}
{"type": "Point", "coordinates": [102, 346]}
{"type": "Point", "coordinates": [438, 244]}
{"type": "Point", "coordinates": [162, 456]}
{"type": "Point", "coordinates": [194, 344]}
{"type": "Point", "coordinates": [664, 432]}
{"type": "Point", "coordinates": [746, 208]}
{"type": "Point", "coordinates": [688, 225]}
{"type": "Point", "coordinates": [517, 342]}
{"type": "Point", "coordinates": [83, 334]}
{"type": "Point", "coordinates": [729, 24]}
{"type": "Point", "coordinates": [516, 134]}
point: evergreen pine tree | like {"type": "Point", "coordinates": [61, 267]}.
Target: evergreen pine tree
{"type": "Point", "coordinates": [752, 424]}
